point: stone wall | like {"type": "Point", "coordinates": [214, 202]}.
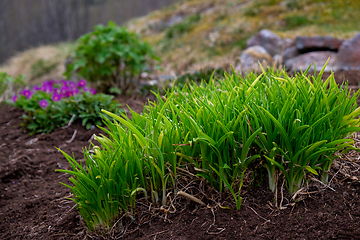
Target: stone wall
{"type": "Point", "coordinates": [270, 49]}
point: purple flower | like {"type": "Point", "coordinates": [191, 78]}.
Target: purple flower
{"type": "Point", "coordinates": [56, 97]}
{"type": "Point", "coordinates": [48, 84]}
{"type": "Point", "coordinates": [64, 83]}
{"type": "Point", "coordinates": [48, 89]}
{"type": "Point", "coordinates": [72, 84]}
{"type": "Point", "coordinates": [93, 91]}
{"type": "Point", "coordinates": [72, 92]}
{"type": "Point", "coordinates": [14, 98]}
{"type": "Point", "coordinates": [43, 103]}
{"type": "Point", "coordinates": [75, 91]}
{"type": "Point", "coordinates": [64, 90]}
{"type": "Point", "coordinates": [27, 93]}
{"type": "Point", "coordinates": [81, 83]}
{"type": "Point", "coordinates": [37, 88]}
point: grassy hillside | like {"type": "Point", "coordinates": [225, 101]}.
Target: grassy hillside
{"type": "Point", "coordinates": [39, 64]}
{"type": "Point", "coordinates": [214, 32]}
{"type": "Point", "coordinates": [196, 33]}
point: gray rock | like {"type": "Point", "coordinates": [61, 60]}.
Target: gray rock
{"type": "Point", "coordinates": [308, 44]}
{"type": "Point", "coordinates": [302, 62]}
{"type": "Point", "coordinates": [273, 43]}
{"type": "Point", "coordinates": [349, 54]}
{"type": "Point", "coordinates": [251, 56]}
{"type": "Point", "coordinates": [290, 52]}
{"type": "Point", "coordinates": [288, 42]}
{"type": "Point", "coordinates": [174, 20]}
{"type": "Point", "coordinates": [278, 59]}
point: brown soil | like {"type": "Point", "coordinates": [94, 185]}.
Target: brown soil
{"type": "Point", "coordinates": [34, 205]}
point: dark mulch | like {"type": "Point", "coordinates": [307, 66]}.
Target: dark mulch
{"type": "Point", "coordinates": [34, 205]}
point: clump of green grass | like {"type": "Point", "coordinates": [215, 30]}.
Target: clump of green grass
{"type": "Point", "coordinates": [293, 21]}
{"type": "Point", "coordinates": [216, 131]}
{"type": "Point", "coordinates": [182, 27]}
{"type": "Point", "coordinates": [42, 67]}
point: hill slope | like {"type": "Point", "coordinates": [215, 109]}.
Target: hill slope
{"type": "Point", "coordinates": [196, 33]}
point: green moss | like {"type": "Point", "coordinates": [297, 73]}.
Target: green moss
{"type": "Point", "coordinates": [42, 67]}
{"type": "Point", "coordinates": [293, 21]}
{"type": "Point", "coordinates": [182, 27]}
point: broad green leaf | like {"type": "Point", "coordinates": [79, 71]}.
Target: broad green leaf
{"type": "Point", "coordinates": [311, 170]}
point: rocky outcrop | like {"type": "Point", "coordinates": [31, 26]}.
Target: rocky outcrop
{"type": "Point", "coordinates": [250, 58]}
{"type": "Point", "coordinates": [270, 41]}
{"type": "Point", "coordinates": [309, 44]}
{"type": "Point", "coordinates": [298, 54]}
{"type": "Point", "coordinates": [303, 61]}
{"type": "Point", "coordinates": [349, 54]}
{"type": "Point", "coordinates": [289, 53]}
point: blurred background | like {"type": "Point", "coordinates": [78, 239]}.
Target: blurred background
{"type": "Point", "coordinates": [38, 36]}
{"type": "Point", "coordinates": [25, 24]}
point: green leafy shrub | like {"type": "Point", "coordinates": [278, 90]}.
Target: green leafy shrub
{"type": "Point", "coordinates": [55, 103]}
{"type": "Point", "coordinates": [216, 131]}
{"type": "Point", "coordinates": [110, 56]}
{"type": "Point", "coordinates": [9, 85]}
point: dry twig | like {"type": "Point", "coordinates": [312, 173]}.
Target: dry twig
{"type": "Point", "coordinates": [70, 122]}
{"type": "Point", "coordinates": [191, 197]}
{"type": "Point", "coordinates": [73, 137]}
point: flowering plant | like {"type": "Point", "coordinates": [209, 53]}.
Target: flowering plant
{"type": "Point", "coordinates": [9, 85]}
{"type": "Point", "coordinates": [56, 102]}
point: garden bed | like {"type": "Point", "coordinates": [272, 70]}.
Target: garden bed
{"type": "Point", "coordinates": [34, 205]}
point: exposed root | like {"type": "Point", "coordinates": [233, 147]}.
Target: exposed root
{"type": "Point", "coordinates": [70, 122]}
{"type": "Point", "coordinates": [73, 137]}
{"type": "Point", "coordinates": [266, 220]}
{"type": "Point", "coordinates": [191, 197]}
